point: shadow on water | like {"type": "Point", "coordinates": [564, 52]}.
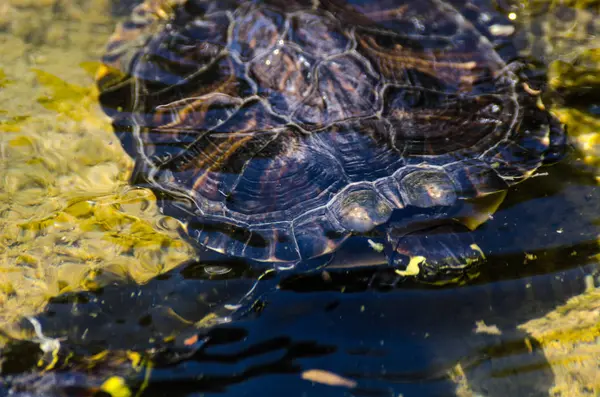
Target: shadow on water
{"type": "Point", "coordinates": [351, 318]}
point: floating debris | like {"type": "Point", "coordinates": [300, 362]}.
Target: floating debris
{"type": "Point", "coordinates": [377, 247]}
{"type": "Point", "coordinates": [482, 328]}
{"type": "Point", "coordinates": [327, 378]}
{"type": "Point", "coordinates": [413, 266]}
{"type": "Point", "coordinates": [115, 386]}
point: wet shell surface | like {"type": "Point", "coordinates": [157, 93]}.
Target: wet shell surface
{"type": "Point", "coordinates": [274, 130]}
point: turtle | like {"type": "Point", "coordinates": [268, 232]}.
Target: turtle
{"type": "Point", "coordinates": [275, 130]}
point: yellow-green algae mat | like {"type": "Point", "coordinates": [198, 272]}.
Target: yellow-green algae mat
{"type": "Point", "coordinates": [67, 213]}
{"type": "Point", "coordinates": [68, 217]}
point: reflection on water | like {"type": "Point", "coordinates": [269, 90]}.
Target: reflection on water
{"type": "Point", "coordinates": [67, 213]}
{"type": "Point", "coordinates": [387, 336]}
{"type": "Point", "coordinates": [70, 222]}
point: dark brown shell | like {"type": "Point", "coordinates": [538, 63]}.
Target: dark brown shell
{"type": "Point", "coordinates": [276, 129]}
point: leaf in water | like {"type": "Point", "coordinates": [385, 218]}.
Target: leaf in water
{"type": "Point", "coordinates": [13, 124]}
{"type": "Point", "coordinates": [61, 90]}
{"type": "Point", "coordinates": [90, 67]}
{"type": "Point", "coordinates": [72, 100]}
{"type": "Point", "coordinates": [327, 378]}
{"type": "Point", "coordinates": [482, 328]}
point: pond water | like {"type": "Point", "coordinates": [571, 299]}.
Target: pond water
{"type": "Point", "coordinates": [91, 271]}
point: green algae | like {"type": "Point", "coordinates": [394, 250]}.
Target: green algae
{"type": "Point", "coordinates": [68, 218]}
{"type": "Point", "coordinates": [570, 337]}
{"type": "Point", "coordinates": [64, 98]}
{"type": "Point", "coordinates": [577, 84]}
{"type": "Point", "coordinates": [4, 81]}
{"type": "Point", "coordinates": [582, 73]}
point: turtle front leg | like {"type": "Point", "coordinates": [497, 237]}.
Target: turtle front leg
{"type": "Point", "coordinates": [438, 254]}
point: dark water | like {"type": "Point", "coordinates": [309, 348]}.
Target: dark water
{"type": "Point", "coordinates": [392, 338]}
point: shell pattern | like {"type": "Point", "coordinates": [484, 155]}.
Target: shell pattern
{"type": "Point", "coordinates": [276, 129]}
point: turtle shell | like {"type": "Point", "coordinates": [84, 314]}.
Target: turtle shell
{"type": "Point", "coordinates": [275, 129]}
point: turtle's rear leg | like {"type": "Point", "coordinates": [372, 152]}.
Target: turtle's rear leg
{"type": "Point", "coordinates": [440, 254]}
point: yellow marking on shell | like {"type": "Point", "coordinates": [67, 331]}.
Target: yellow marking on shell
{"type": "Point", "coordinates": [413, 266]}
{"type": "Point", "coordinates": [434, 191]}
{"type": "Point", "coordinates": [393, 13]}
{"type": "Point", "coordinates": [207, 321]}
{"type": "Point", "coordinates": [440, 66]}
{"type": "Point", "coordinates": [360, 215]}
{"type": "Point", "coordinates": [103, 71]}
{"type": "Point", "coordinates": [546, 140]}
{"type": "Point", "coordinates": [135, 358]}
{"type": "Point", "coordinates": [99, 356]}
{"type": "Point", "coordinates": [529, 345]}
{"type": "Point", "coordinates": [540, 104]}
{"type": "Point", "coordinates": [530, 90]}
{"type": "Point", "coordinates": [214, 164]}
{"type": "Point", "coordinates": [416, 61]}
{"type": "Point", "coordinates": [475, 247]}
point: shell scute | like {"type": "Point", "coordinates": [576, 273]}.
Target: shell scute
{"type": "Point", "coordinates": [364, 148]}
{"type": "Point", "coordinates": [474, 178]}
{"type": "Point", "coordinates": [211, 30]}
{"type": "Point", "coordinates": [426, 187]}
{"type": "Point", "coordinates": [319, 35]}
{"type": "Point", "coordinates": [317, 233]}
{"type": "Point", "coordinates": [223, 236]}
{"type": "Point", "coordinates": [280, 247]}
{"type": "Point", "coordinates": [284, 76]}
{"type": "Point", "coordinates": [512, 161]}
{"type": "Point", "coordinates": [173, 55]}
{"type": "Point", "coordinates": [275, 129]}
{"type": "Point", "coordinates": [346, 89]}
{"type": "Point", "coordinates": [288, 175]}
{"type": "Point", "coordinates": [359, 208]}
{"type": "Point", "coordinates": [181, 123]}
{"type": "Point", "coordinates": [255, 30]}
{"type": "Point", "coordinates": [213, 164]}
{"type": "Point", "coordinates": [428, 123]}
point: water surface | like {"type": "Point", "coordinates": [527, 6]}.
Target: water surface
{"type": "Point", "coordinates": [71, 223]}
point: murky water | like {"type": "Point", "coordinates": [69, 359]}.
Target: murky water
{"type": "Point", "coordinates": [97, 264]}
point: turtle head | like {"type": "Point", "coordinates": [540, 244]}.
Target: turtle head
{"type": "Point", "coordinates": [437, 254]}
